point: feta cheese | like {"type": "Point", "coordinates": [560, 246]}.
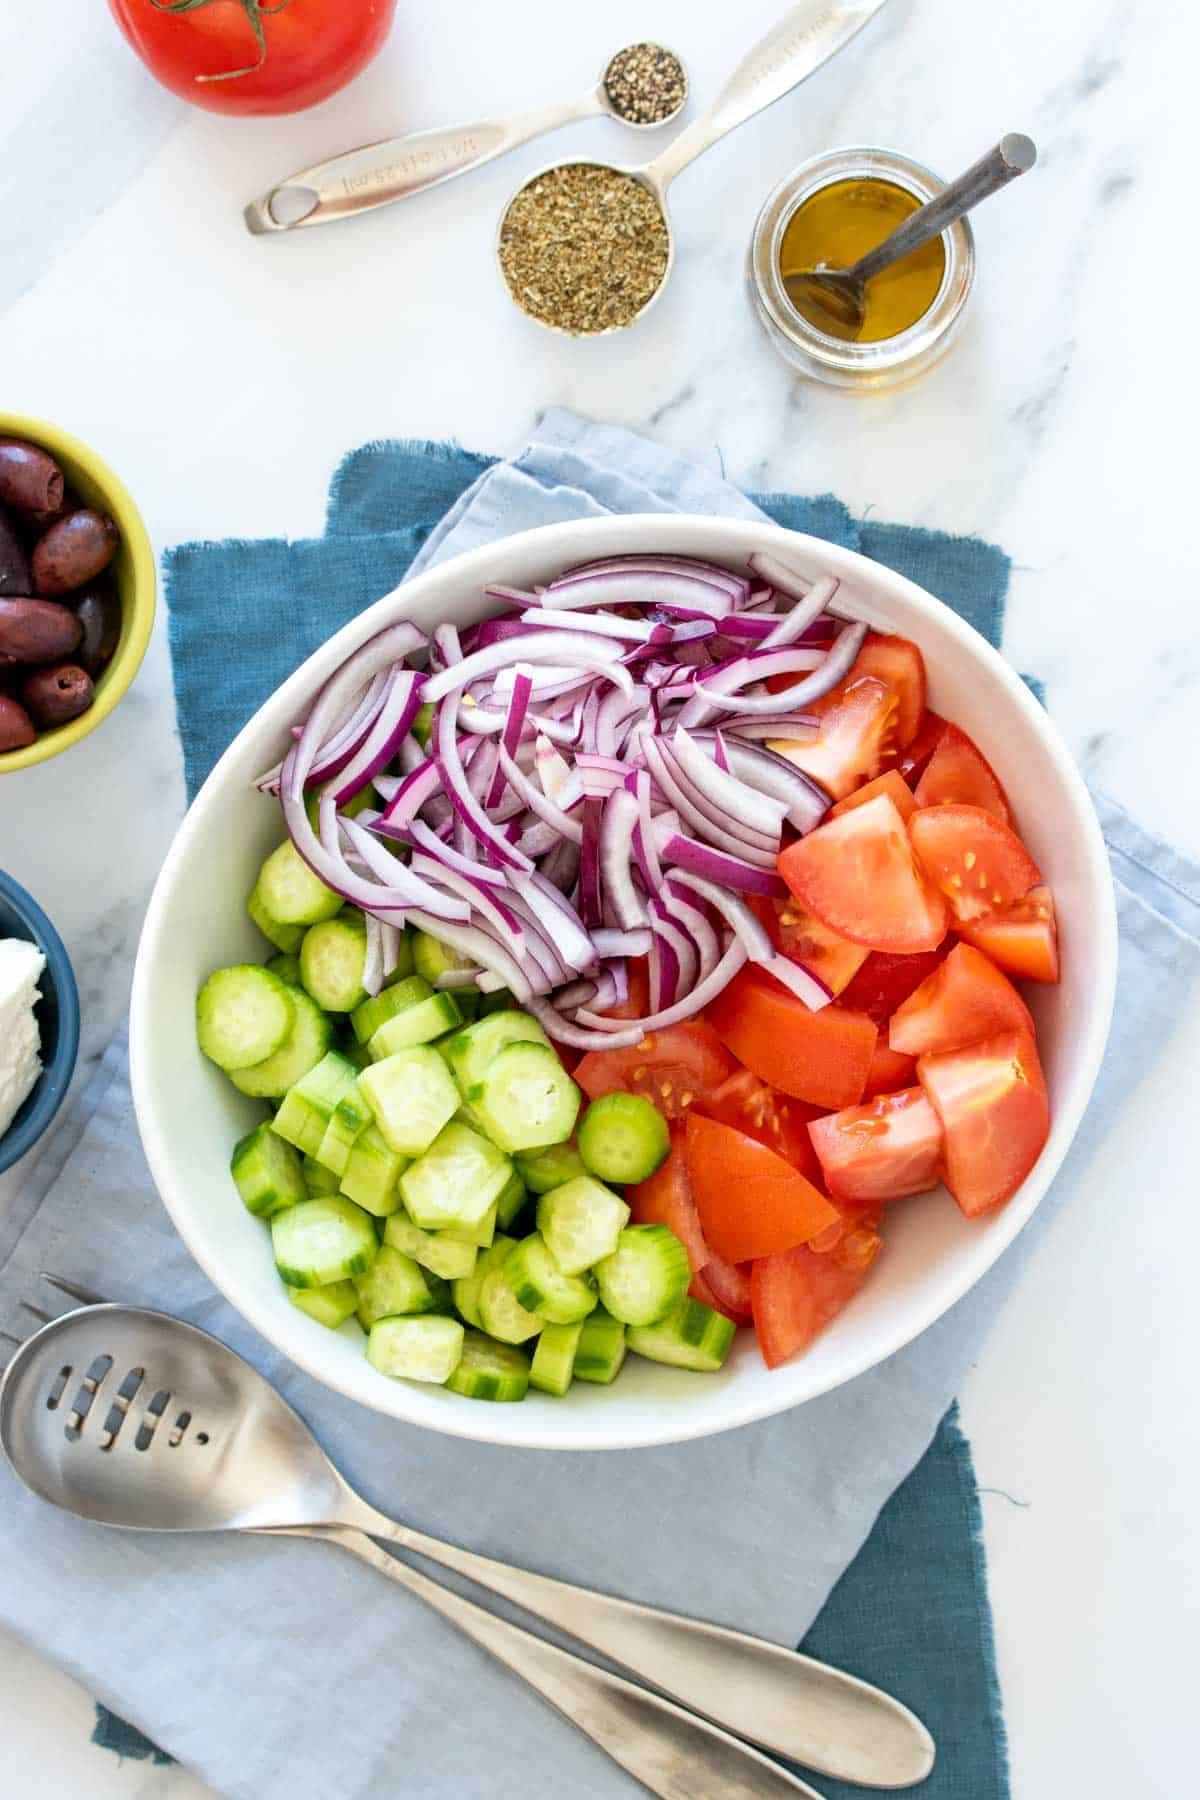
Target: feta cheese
{"type": "Point", "coordinates": [21, 965]}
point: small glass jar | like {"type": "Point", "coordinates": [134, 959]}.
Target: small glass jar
{"type": "Point", "coordinates": [816, 353]}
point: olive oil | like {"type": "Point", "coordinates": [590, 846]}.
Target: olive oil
{"type": "Point", "coordinates": [840, 223]}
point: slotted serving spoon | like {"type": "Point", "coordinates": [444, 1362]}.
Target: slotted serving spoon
{"type": "Point", "coordinates": [131, 1418]}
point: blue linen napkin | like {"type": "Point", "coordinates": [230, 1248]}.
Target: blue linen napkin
{"type": "Point", "coordinates": [315, 1679]}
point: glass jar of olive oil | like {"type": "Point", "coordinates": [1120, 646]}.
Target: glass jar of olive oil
{"type": "Point", "coordinates": [832, 210]}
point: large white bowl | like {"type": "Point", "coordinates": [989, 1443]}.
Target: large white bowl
{"type": "Point", "coordinates": [190, 1115]}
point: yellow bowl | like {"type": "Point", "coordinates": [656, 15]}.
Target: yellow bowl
{"type": "Point", "coordinates": [133, 567]}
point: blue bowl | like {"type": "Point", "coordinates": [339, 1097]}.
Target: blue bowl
{"type": "Point", "coordinates": [57, 1016]}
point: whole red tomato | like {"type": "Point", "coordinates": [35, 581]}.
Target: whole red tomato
{"type": "Point", "coordinates": [241, 56]}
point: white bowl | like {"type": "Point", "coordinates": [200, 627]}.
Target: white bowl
{"type": "Point", "coordinates": [190, 1115]}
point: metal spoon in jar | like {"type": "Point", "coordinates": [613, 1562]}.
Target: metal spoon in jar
{"type": "Point", "coordinates": [840, 295]}
{"type": "Point", "coordinates": [376, 174]}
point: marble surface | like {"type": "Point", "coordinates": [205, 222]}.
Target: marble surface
{"type": "Point", "coordinates": [224, 375]}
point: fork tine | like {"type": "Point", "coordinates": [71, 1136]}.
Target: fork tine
{"type": "Point", "coordinates": [43, 1318]}
{"type": "Point", "coordinates": [86, 1296]}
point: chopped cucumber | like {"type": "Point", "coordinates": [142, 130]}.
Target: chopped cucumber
{"type": "Point", "coordinates": [581, 1222]}
{"type": "Point", "coordinates": [468, 1003]}
{"type": "Point", "coordinates": [471, 1051]}
{"type": "Point", "coordinates": [317, 1178]}
{"type": "Point", "coordinates": [372, 1172]}
{"type": "Point", "coordinates": [356, 1053]}
{"type": "Point", "coordinates": [692, 1337]}
{"type": "Point", "coordinates": [526, 1098]}
{"type": "Point", "coordinates": [412, 1096]}
{"type": "Point", "coordinates": [333, 957]}
{"type": "Point", "coordinates": [601, 1348]}
{"type": "Point", "coordinates": [553, 1362]}
{"type": "Point", "coordinates": [243, 1015]}
{"type": "Point", "coordinates": [452, 1261]}
{"type": "Point", "coordinates": [404, 961]}
{"type": "Point", "coordinates": [347, 1122]}
{"type": "Point", "coordinates": [267, 1172]}
{"type": "Point", "coordinates": [480, 1236]}
{"type": "Point", "coordinates": [371, 1014]}
{"type": "Point", "coordinates": [422, 725]}
{"type": "Point", "coordinates": [393, 1284]}
{"type": "Point", "coordinates": [646, 1276]}
{"type": "Point", "coordinates": [309, 1105]}
{"type": "Point", "coordinates": [428, 1349]}
{"type": "Point", "coordinates": [288, 891]}
{"type": "Point", "coordinates": [320, 1241]}
{"type": "Point", "coordinates": [419, 1024]}
{"type": "Point", "coordinates": [510, 1201]}
{"type": "Point", "coordinates": [287, 968]}
{"type": "Point", "coordinates": [490, 1371]}
{"type": "Point", "coordinates": [541, 1287]}
{"type": "Point", "coordinates": [502, 1313]}
{"type": "Point", "coordinates": [432, 958]}
{"type": "Point", "coordinates": [457, 1180]}
{"type": "Point", "coordinates": [284, 937]}
{"type": "Point", "coordinates": [623, 1138]}
{"type": "Point", "coordinates": [330, 1306]}
{"type": "Point", "coordinates": [301, 1051]}
{"type": "Point", "coordinates": [466, 1290]}
{"type": "Point", "coordinates": [542, 1170]}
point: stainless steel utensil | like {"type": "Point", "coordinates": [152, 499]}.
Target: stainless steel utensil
{"type": "Point", "coordinates": [841, 294]}
{"type": "Point", "coordinates": [805, 38]}
{"type": "Point", "coordinates": [135, 1419]}
{"type": "Point", "coordinates": [377, 174]}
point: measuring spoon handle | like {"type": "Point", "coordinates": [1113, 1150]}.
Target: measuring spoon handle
{"type": "Point", "coordinates": [1011, 157]}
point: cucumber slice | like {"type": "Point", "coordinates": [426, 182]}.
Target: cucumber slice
{"type": "Point", "coordinates": [502, 1313]}
{"type": "Point", "coordinates": [301, 1051]}
{"type": "Point", "coordinates": [412, 1096]}
{"type": "Point", "coordinates": [553, 1362]}
{"type": "Point", "coordinates": [646, 1276]}
{"type": "Point", "coordinates": [432, 958]}
{"type": "Point", "coordinates": [541, 1287]}
{"type": "Point", "coordinates": [393, 1284]}
{"type": "Point", "coordinates": [601, 1348]}
{"type": "Point", "coordinates": [284, 937]}
{"type": "Point", "coordinates": [287, 968]}
{"type": "Point", "coordinates": [309, 1105]}
{"type": "Point", "coordinates": [289, 892]}
{"type": "Point", "coordinates": [358, 1054]}
{"type": "Point", "coordinates": [372, 1173]}
{"type": "Point", "coordinates": [243, 1015]}
{"type": "Point", "coordinates": [499, 1000]}
{"type": "Point", "coordinates": [453, 1262]}
{"type": "Point", "coordinates": [526, 1098]}
{"type": "Point", "coordinates": [330, 1306]}
{"type": "Point", "coordinates": [480, 1236]}
{"type": "Point", "coordinates": [623, 1138]}
{"type": "Point", "coordinates": [419, 1024]}
{"type": "Point", "coordinates": [371, 1014]}
{"type": "Point", "coordinates": [320, 1241]}
{"type": "Point", "coordinates": [471, 1051]}
{"type": "Point", "coordinates": [510, 1201]}
{"type": "Point", "coordinates": [692, 1337]}
{"type": "Point", "coordinates": [581, 1222]}
{"type": "Point", "coordinates": [317, 1178]}
{"type": "Point", "coordinates": [333, 957]}
{"type": "Point", "coordinates": [348, 1120]}
{"type": "Point", "coordinates": [426, 1349]}
{"type": "Point", "coordinates": [466, 1290]}
{"type": "Point", "coordinates": [489, 1371]}
{"type": "Point", "coordinates": [542, 1170]}
{"type": "Point", "coordinates": [267, 1172]}
{"type": "Point", "coordinates": [468, 1003]}
{"type": "Point", "coordinates": [458, 1179]}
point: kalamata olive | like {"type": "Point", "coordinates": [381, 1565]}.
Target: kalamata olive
{"type": "Point", "coordinates": [15, 574]}
{"type": "Point", "coordinates": [73, 551]}
{"type": "Point", "coordinates": [52, 696]}
{"type": "Point", "coordinates": [16, 726]}
{"type": "Point", "coordinates": [38, 631]}
{"type": "Point", "coordinates": [99, 613]}
{"type": "Point", "coordinates": [30, 479]}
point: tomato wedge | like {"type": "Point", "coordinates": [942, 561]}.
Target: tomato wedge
{"type": "Point", "coordinates": [1022, 940]}
{"type": "Point", "coordinates": [882, 1150]}
{"type": "Point", "coordinates": [914, 759]}
{"type": "Point", "coordinates": [802, 937]}
{"type": "Point", "coordinates": [966, 999]}
{"type": "Point", "coordinates": [895, 661]}
{"type": "Point", "coordinates": [959, 773]}
{"type": "Point", "coordinates": [886, 980]}
{"type": "Point", "coordinates": [889, 1071]}
{"type": "Point", "coordinates": [776, 1120]}
{"type": "Point", "coordinates": [666, 1199]}
{"type": "Point", "coordinates": [670, 1068]}
{"type": "Point", "coordinates": [975, 860]}
{"type": "Point", "coordinates": [725, 1286]}
{"type": "Point", "coordinates": [857, 873]}
{"type": "Point", "coordinates": [991, 1099]}
{"type": "Point", "coordinates": [889, 783]}
{"type": "Point", "coordinates": [821, 1057]}
{"type": "Point", "coordinates": [856, 736]}
{"type": "Point", "coordinates": [796, 1294]}
{"type": "Point", "coordinates": [751, 1203]}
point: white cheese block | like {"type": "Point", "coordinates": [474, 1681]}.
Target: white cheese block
{"type": "Point", "coordinates": [21, 965]}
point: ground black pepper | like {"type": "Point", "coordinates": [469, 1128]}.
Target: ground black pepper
{"type": "Point", "coordinates": [645, 84]}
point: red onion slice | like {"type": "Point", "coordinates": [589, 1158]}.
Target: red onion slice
{"type": "Point", "coordinates": [728, 871]}
{"type": "Point", "coordinates": [613, 1030]}
{"type": "Point", "coordinates": [836, 664]}
{"type": "Point", "coordinates": [617, 827]}
{"type": "Point", "coordinates": [557, 647]}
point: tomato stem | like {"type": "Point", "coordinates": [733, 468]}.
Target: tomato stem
{"type": "Point", "coordinates": [255, 12]}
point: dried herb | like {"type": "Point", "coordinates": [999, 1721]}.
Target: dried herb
{"type": "Point", "coordinates": [584, 247]}
{"type": "Point", "coordinates": [645, 84]}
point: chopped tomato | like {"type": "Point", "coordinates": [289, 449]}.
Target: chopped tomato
{"type": "Point", "coordinates": [821, 1057]}
{"type": "Point", "coordinates": [966, 999]}
{"type": "Point", "coordinates": [858, 874]}
{"type": "Point", "coordinates": [751, 1203]}
{"type": "Point", "coordinates": [972, 858]}
{"type": "Point", "coordinates": [1022, 940]}
{"type": "Point", "coordinates": [832, 959]}
{"type": "Point", "coordinates": [796, 1294]}
{"type": "Point", "coordinates": [882, 1150]}
{"type": "Point", "coordinates": [670, 1068]}
{"type": "Point", "coordinates": [914, 759]}
{"type": "Point", "coordinates": [889, 783]}
{"type": "Point", "coordinates": [889, 1071]}
{"type": "Point", "coordinates": [959, 773]}
{"type": "Point", "coordinates": [666, 1199]}
{"type": "Point", "coordinates": [776, 1120]}
{"type": "Point", "coordinates": [886, 980]}
{"type": "Point", "coordinates": [726, 1287]}
{"type": "Point", "coordinates": [855, 737]}
{"type": "Point", "coordinates": [637, 1005]}
{"type": "Point", "coordinates": [991, 1099]}
{"type": "Point", "coordinates": [896, 662]}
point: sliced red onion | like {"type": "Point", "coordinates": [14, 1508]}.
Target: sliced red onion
{"type": "Point", "coordinates": [518, 706]}
{"type": "Point", "coordinates": [391, 938]}
{"type": "Point", "coordinates": [591, 909]}
{"type": "Point", "coordinates": [465, 805]}
{"type": "Point", "coordinates": [559, 648]}
{"type": "Point", "coordinates": [736, 586]}
{"type": "Point", "coordinates": [806, 801]}
{"type": "Point", "coordinates": [419, 835]}
{"type": "Point", "coordinates": [444, 647]}
{"type": "Point", "coordinates": [836, 664]}
{"type": "Point", "coordinates": [695, 922]}
{"type": "Point", "coordinates": [799, 981]}
{"type": "Point", "coordinates": [560, 782]}
{"type": "Point", "coordinates": [396, 876]}
{"type": "Point", "coordinates": [800, 726]}
{"type": "Point", "coordinates": [662, 587]}
{"type": "Point", "coordinates": [613, 1030]}
{"type": "Point", "coordinates": [399, 705]}
{"type": "Point", "coordinates": [600, 775]}
{"type": "Point", "coordinates": [727, 871]}
{"type": "Point", "coordinates": [481, 899]}
{"type": "Point", "coordinates": [483, 949]}
{"type": "Point", "coordinates": [537, 839]}
{"type": "Point", "coordinates": [700, 816]}
{"type": "Point", "coordinates": [668, 934]}
{"type": "Point", "coordinates": [561, 867]}
{"type": "Point", "coordinates": [619, 1037]}
{"type": "Point", "coordinates": [537, 801]}
{"type": "Point", "coordinates": [722, 687]}
{"type": "Point", "coordinates": [617, 827]}
{"type": "Point", "coordinates": [746, 927]}
{"type": "Point", "coordinates": [749, 806]}
{"type": "Point", "coordinates": [422, 785]}
{"type": "Point", "coordinates": [457, 978]}
{"type": "Point", "coordinates": [794, 624]}
{"type": "Point", "coordinates": [372, 975]}
{"type": "Point", "coordinates": [621, 943]}
{"type": "Point", "coordinates": [560, 922]}
{"type": "Point", "coordinates": [513, 595]}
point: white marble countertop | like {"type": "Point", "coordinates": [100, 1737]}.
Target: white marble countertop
{"type": "Point", "coordinates": [223, 376]}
